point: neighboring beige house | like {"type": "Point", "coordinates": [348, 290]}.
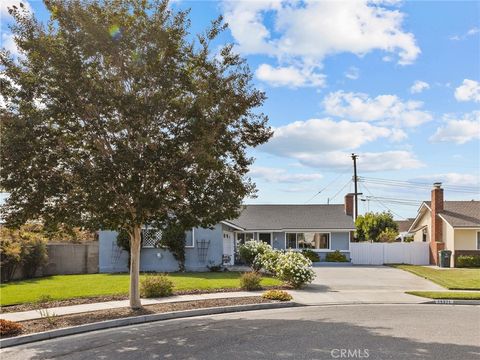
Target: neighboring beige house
{"type": "Point", "coordinates": [448, 225]}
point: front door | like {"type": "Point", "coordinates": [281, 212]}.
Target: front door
{"type": "Point", "coordinates": [228, 248]}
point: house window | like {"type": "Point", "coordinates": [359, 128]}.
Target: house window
{"type": "Point", "coordinates": [265, 237]}
{"type": "Point", "coordinates": [190, 238]}
{"type": "Point", "coordinates": [242, 238]}
{"type": "Point", "coordinates": [151, 237]}
{"type": "Point", "coordinates": [291, 239]}
{"type": "Point", "coordinates": [424, 235]}
{"type": "Point", "coordinates": [478, 240]}
{"type": "Point", "coordinates": [308, 240]}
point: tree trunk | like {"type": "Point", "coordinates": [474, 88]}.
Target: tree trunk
{"type": "Point", "coordinates": [135, 240]}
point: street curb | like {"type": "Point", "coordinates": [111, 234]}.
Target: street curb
{"type": "Point", "coordinates": [452, 302]}
{"type": "Point", "coordinates": [51, 334]}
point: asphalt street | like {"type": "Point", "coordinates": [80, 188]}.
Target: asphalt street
{"type": "Point", "coordinates": [383, 332]}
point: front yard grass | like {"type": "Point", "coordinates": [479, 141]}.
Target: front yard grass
{"type": "Point", "coordinates": [64, 287]}
{"type": "Point", "coordinates": [455, 295]}
{"type": "Point", "coordinates": [453, 279]}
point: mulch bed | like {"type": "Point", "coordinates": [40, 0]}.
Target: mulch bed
{"type": "Point", "coordinates": [56, 322]}
{"type": "Point", "coordinates": [95, 299]}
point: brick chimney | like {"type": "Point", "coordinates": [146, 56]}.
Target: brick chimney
{"type": "Point", "coordinates": [436, 229]}
{"type": "Point", "coordinates": [349, 204]}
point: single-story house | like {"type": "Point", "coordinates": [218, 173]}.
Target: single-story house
{"type": "Point", "coordinates": [322, 228]}
{"type": "Point", "coordinates": [448, 225]}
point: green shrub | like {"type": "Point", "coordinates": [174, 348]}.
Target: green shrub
{"type": "Point", "coordinates": [336, 256]}
{"type": "Point", "coordinates": [277, 295]}
{"type": "Point", "coordinates": [294, 269]}
{"type": "Point", "coordinates": [152, 286]}
{"type": "Point", "coordinates": [215, 268]}
{"type": "Point", "coordinates": [34, 255]}
{"type": "Point", "coordinates": [249, 251]}
{"type": "Point", "coordinates": [250, 281]}
{"type": "Point", "coordinates": [468, 261]}
{"type": "Point", "coordinates": [311, 255]}
{"type": "Point", "coordinates": [21, 247]}
{"type": "Point", "coordinates": [9, 328]}
{"type": "Point", "coordinates": [9, 256]}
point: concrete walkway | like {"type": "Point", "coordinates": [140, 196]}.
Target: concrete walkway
{"type": "Point", "coordinates": [333, 285]}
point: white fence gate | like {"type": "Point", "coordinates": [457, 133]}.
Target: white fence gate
{"type": "Point", "coordinates": [414, 253]}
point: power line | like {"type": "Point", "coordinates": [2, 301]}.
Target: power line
{"type": "Point", "coordinates": [339, 191]}
{"type": "Point", "coordinates": [330, 183]}
{"type": "Point", "coordinates": [407, 184]}
{"type": "Point", "coordinates": [381, 203]}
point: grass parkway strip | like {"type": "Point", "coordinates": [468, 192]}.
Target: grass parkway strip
{"type": "Point", "coordinates": [64, 287]}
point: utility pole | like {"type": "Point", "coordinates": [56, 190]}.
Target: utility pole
{"type": "Point", "coordinates": [354, 158]}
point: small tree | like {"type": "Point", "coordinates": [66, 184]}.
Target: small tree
{"type": "Point", "coordinates": [173, 239]}
{"type": "Point", "coordinates": [387, 235]}
{"type": "Point", "coordinates": [371, 225]}
{"type": "Point", "coordinates": [116, 116]}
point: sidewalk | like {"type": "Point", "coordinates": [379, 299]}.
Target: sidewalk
{"type": "Point", "coordinates": [307, 296]}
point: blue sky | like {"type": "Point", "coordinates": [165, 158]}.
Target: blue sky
{"type": "Point", "coordinates": [395, 82]}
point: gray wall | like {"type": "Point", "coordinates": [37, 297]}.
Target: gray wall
{"type": "Point", "coordinates": [113, 259]}
{"type": "Point", "coordinates": [340, 240]}
{"type": "Point", "coordinates": [65, 258]}
{"type": "Point", "coordinates": [72, 259]}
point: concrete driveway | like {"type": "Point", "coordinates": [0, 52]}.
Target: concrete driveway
{"type": "Point", "coordinates": [363, 284]}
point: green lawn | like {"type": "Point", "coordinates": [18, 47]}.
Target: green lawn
{"type": "Point", "coordinates": [62, 287]}
{"type": "Point", "coordinates": [455, 295]}
{"type": "Point", "coordinates": [453, 279]}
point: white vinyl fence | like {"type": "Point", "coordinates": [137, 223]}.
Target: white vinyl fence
{"type": "Point", "coordinates": [414, 253]}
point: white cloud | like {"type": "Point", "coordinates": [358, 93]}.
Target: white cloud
{"type": "Point", "coordinates": [324, 143]}
{"type": "Point", "coordinates": [303, 33]}
{"type": "Point", "coordinates": [8, 43]}
{"type": "Point", "coordinates": [387, 109]}
{"type": "Point", "coordinates": [276, 175]}
{"type": "Point", "coordinates": [470, 32]}
{"type": "Point", "coordinates": [419, 86]}
{"type": "Point", "coordinates": [459, 131]}
{"type": "Point", "coordinates": [367, 162]}
{"type": "Point", "coordinates": [319, 135]}
{"type": "Point", "coordinates": [352, 73]}
{"type": "Point", "coordinates": [289, 76]}
{"type": "Point", "coordinates": [6, 4]}
{"type": "Point", "coordinates": [468, 91]}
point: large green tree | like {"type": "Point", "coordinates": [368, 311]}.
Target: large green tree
{"type": "Point", "coordinates": [116, 116]}
{"type": "Point", "coordinates": [371, 226]}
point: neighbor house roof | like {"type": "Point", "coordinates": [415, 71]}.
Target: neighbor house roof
{"type": "Point", "coordinates": [460, 214]}
{"type": "Point", "coordinates": [292, 217]}
{"type": "Point", "coordinates": [404, 225]}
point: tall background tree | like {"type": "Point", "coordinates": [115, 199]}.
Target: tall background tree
{"type": "Point", "coordinates": [116, 116]}
{"type": "Point", "coordinates": [378, 227]}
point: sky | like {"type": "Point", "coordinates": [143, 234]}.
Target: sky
{"type": "Point", "coordinates": [395, 82]}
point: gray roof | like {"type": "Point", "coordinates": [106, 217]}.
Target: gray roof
{"type": "Point", "coordinates": [460, 213]}
{"type": "Point", "coordinates": [301, 217]}
{"type": "Point", "coordinates": [404, 225]}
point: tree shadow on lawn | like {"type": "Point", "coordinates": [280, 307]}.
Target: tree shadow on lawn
{"type": "Point", "coordinates": [241, 339]}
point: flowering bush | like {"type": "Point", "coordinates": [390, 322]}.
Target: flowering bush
{"type": "Point", "coordinates": [294, 269]}
{"type": "Point", "coordinates": [267, 261]}
{"type": "Point", "coordinates": [250, 250]}
{"type": "Point", "coordinates": [277, 295]}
